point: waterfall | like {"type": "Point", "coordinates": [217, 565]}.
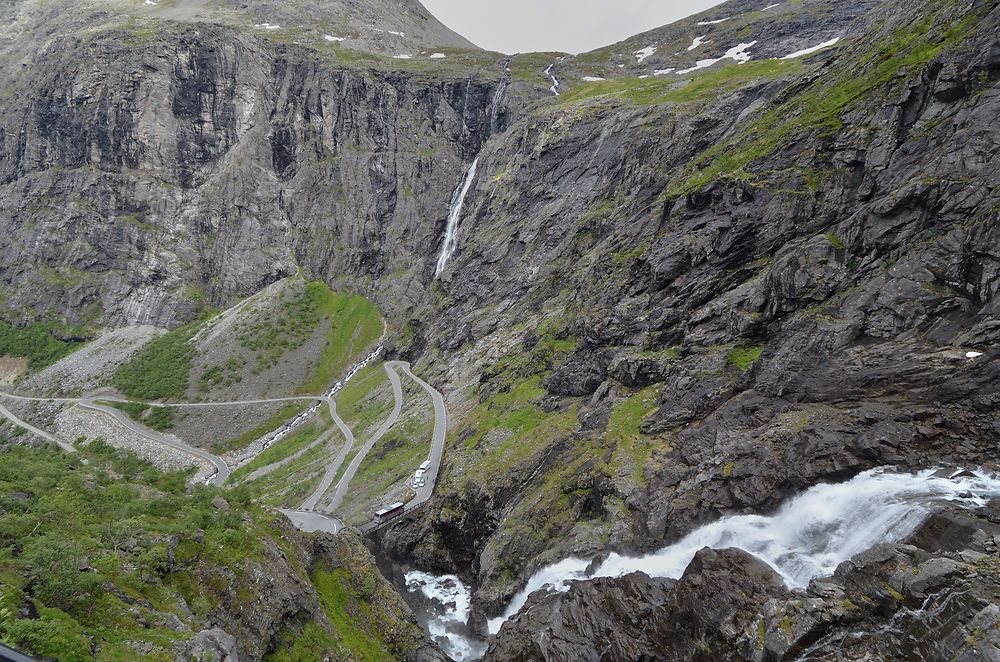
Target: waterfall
{"type": "Point", "coordinates": [495, 108]}
{"type": "Point", "coordinates": [555, 81]}
{"type": "Point", "coordinates": [450, 242]}
{"type": "Point", "coordinates": [807, 538]}
{"type": "Point", "coordinates": [447, 603]}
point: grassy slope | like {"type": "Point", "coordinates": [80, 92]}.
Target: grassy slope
{"type": "Point", "coordinates": [36, 342]}
{"type": "Point", "coordinates": [287, 447]}
{"type": "Point", "coordinates": [102, 551]}
{"type": "Point", "coordinates": [113, 516]}
{"type": "Point", "coordinates": [160, 369]}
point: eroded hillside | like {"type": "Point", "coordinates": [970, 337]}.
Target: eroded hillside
{"type": "Point", "coordinates": [684, 291]}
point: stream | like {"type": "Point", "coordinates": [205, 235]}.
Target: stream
{"type": "Point", "coordinates": [808, 537]}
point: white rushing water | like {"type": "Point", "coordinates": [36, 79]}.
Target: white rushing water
{"type": "Point", "coordinates": [495, 108]}
{"type": "Point", "coordinates": [555, 81]}
{"type": "Point", "coordinates": [450, 242]}
{"type": "Point", "coordinates": [448, 614]}
{"type": "Point", "coordinates": [807, 538]}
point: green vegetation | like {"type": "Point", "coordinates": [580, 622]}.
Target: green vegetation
{"type": "Point", "coordinates": [530, 67]}
{"type": "Point", "coordinates": [624, 431]}
{"type": "Point", "coordinates": [285, 448]}
{"type": "Point", "coordinates": [342, 601]}
{"type": "Point", "coordinates": [82, 528]}
{"type": "Point", "coordinates": [152, 416]}
{"type": "Point", "coordinates": [352, 323]}
{"type": "Point", "coordinates": [36, 342]}
{"type": "Point", "coordinates": [289, 485]}
{"type": "Point", "coordinates": [106, 551]}
{"type": "Point", "coordinates": [287, 412]}
{"type": "Point", "coordinates": [527, 426]}
{"type": "Point", "coordinates": [221, 375]}
{"type": "Point", "coordinates": [744, 357]}
{"type": "Point", "coordinates": [356, 403]}
{"type": "Point", "coordinates": [698, 87]}
{"type": "Point", "coordinates": [270, 336]}
{"type": "Point", "coordinates": [819, 107]}
{"type": "Point", "coordinates": [391, 461]}
{"type": "Point", "coordinates": [335, 594]}
{"type": "Point", "coordinates": [160, 369]}
{"type": "Point", "coordinates": [835, 241]}
{"type": "Point", "coordinates": [552, 346]}
{"type": "Point", "coordinates": [355, 325]}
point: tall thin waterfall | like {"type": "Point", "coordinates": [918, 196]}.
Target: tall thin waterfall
{"type": "Point", "coordinates": [454, 216]}
{"type": "Point", "coordinates": [495, 109]}
{"type": "Point", "coordinates": [555, 81]}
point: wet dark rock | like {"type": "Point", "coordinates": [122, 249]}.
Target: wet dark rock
{"type": "Point", "coordinates": [581, 375]}
{"type": "Point", "coordinates": [901, 601]}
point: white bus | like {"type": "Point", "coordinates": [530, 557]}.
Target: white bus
{"type": "Point", "coordinates": [425, 466]}
{"type": "Point", "coordinates": [389, 512]}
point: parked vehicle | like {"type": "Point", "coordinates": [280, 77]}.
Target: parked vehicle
{"type": "Point", "coordinates": [389, 512]}
{"type": "Point", "coordinates": [425, 466]}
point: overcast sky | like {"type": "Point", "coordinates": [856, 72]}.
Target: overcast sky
{"type": "Point", "coordinates": [573, 26]}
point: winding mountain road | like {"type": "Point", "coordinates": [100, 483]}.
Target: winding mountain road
{"type": "Point", "coordinates": [9, 415]}
{"type": "Point", "coordinates": [331, 471]}
{"type": "Point", "coordinates": [221, 468]}
{"type": "Point", "coordinates": [437, 436]}
{"type": "Point", "coordinates": [307, 517]}
{"type": "Point", "coordinates": [345, 481]}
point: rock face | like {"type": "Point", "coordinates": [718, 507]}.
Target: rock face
{"type": "Point", "coordinates": [673, 298]}
{"type": "Point", "coordinates": [171, 166]}
{"type": "Point", "coordinates": [937, 599]}
{"type": "Point", "coordinates": [800, 281]}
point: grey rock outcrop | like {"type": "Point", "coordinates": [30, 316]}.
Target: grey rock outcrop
{"type": "Point", "coordinates": [935, 600]}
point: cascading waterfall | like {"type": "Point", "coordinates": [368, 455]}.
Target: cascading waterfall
{"type": "Point", "coordinates": [454, 216]}
{"type": "Point", "coordinates": [449, 603]}
{"type": "Point", "coordinates": [555, 81]}
{"type": "Point", "coordinates": [807, 538]}
{"type": "Point", "coordinates": [495, 108]}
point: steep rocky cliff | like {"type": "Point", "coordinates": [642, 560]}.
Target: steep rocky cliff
{"type": "Point", "coordinates": [149, 166]}
{"type": "Point", "coordinates": [685, 301]}
{"type": "Point", "coordinates": [675, 296]}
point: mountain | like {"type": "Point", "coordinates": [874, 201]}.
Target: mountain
{"type": "Point", "coordinates": [695, 274]}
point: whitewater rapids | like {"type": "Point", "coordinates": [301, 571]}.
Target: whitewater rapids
{"type": "Point", "coordinates": [808, 537]}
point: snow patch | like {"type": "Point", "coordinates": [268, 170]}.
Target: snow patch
{"type": "Point", "coordinates": [330, 37]}
{"type": "Point", "coordinates": [721, 20]}
{"type": "Point", "coordinates": [592, 79]}
{"type": "Point", "coordinates": [644, 76]}
{"type": "Point", "coordinates": [149, 3]}
{"type": "Point", "coordinates": [402, 56]}
{"type": "Point", "coordinates": [812, 49]}
{"type": "Point", "coordinates": [771, 6]}
{"type": "Point", "coordinates": [698, 41]}
{"type": "Point", "coordinates": [267, 26]}
{"type": "Point", "coordinates": [663, 72]}
{"type": "Point", "coordinates": [437, 56]}
{"type": "Point", "coordinates": [739, 54]}
{"type": "Point", "coordinates": [644, 53]}
{"type": "Point", "coordinates": [973, 355]}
